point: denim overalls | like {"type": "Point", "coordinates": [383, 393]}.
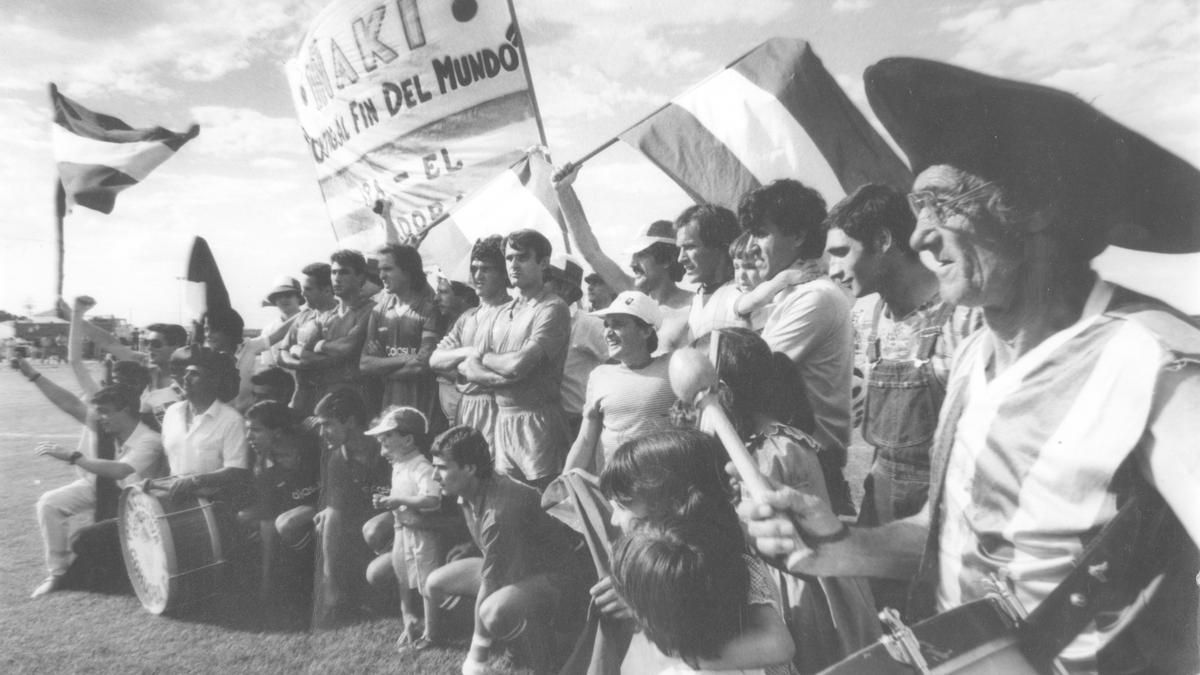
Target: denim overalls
{"type": "Point", "coordinates": [903, 400]}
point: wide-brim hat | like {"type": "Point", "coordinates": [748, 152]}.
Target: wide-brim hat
{"type": "Point", "coordinates": [634, 303]}
{"type": "Point", "coordinates": [1046, 146]}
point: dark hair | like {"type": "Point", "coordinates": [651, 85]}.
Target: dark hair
{"type": "Point", "coordinates": [320, 272]}
{"type": "Point", "coordinates": [409, 261]}
{"type": "Point", "coordinates": [686, 583]}
{"type": "Point", "coordinates": [131, 370]}
{"type": "Point", "coordinates": [716, 225]}
{"type": "Point", "coordinates": [675, 473]}
{"type": "Point", "coordinates": [122, 397]}
{"type": "Point", "coordinates": [225, 320]}
{"type": "Point", "coordinates": [490, 250]}
{"type": "Point", "coordinates": [343, 404]}
{"type": "Point", "coordinates": [741, 247]}
{"type": "Point", "coordinates": [665, 254]}
{"type": "Point", "coordinates": [351, 259]}
{"type": "Point", "coordinates": [760, 380]}
{"type": "Point", "coordinates": [276, 378]}
{"type": "Point", "coordinates": [525, 240]}
{"type": "Point", "coordinates": [174, 334]}
{"type": "Point", "coordinates": [594, 278]}
{"type": "Point", "coordinates": [793, 207]}
{"type": "Point", "coordinates": [869, 211]}
{"type": "Point", "coordinates": [464, 446]}
{"type": "Point", "coordinates": [273, 415]}
{"type": "Point", "coordinates": [219, 367]}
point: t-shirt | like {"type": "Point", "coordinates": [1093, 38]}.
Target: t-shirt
{"type": "Point", "coordinates": [349, 485]}
{"type": "Point", "coordinates": [628, 403]}
{"type": "Point", "coordinates": [397, 328]}
{"type": "Point", "coordinates": [543, 321]}
{"type": "Point", "coordinates": [413, 477]}
{"type": "Point", "coordinates": [474, 328]}
{"type": "Point", "coordinates": [156, 401]}
{"type": "Point", "coordinates": [715, 313]}
{"type": "Point", "coordinates": [810, 323]}
{"type": "Point", "coordinates": [587, 350]}
{"type": "Point", "coordinates": [212, 440]}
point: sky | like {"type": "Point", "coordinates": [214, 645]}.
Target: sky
{"type": "Point", "coordinates": [248, 185]}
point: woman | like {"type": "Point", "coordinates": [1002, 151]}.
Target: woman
{"type": "Point", "coordinates": [628, 399]}
{"type": "Point", "coordinates": [834, 616]}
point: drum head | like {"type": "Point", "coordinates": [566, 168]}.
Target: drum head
{"type": "Point", "coordinates": [146, 545]}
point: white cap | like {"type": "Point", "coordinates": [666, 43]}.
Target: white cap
{"type": "Point", "coordinates": [658, 232]}
{"type": "Point", "coordinates": [634, 303]}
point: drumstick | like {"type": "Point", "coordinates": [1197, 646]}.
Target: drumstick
{"type": "Point", "coordinates": [694, 380]}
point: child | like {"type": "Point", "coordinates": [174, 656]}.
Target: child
{"type": "Point", "coordinates": [401, 432]}
{"type": "Point", "coordinates": [669, 481]}
{"type": "Point", "coordinates": [758, 293]}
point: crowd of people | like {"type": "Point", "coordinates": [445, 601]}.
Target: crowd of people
{"type": "Point", "coordinates": [394, 432]}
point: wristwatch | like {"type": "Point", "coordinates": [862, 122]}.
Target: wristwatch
{"type": "Point", "coordinates": [74, 457]}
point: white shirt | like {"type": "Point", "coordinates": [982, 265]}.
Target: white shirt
{"type": "Point", "coordinates": [214, 439]}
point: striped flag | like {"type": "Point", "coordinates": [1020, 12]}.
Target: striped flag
{"type": "Point", "coordinates": [99, 155]}
{"type": "Point", "coordinates": [774, 113]}
{"type": "Point", "coordinates": [522, 196]}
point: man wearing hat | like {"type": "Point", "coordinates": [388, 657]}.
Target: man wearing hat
{"type": "Point", "coordinates": [1073, 412]}
{"type": "Point", "coordinates": [320, 303]}
{"type": "Point", "coordinates": [257, 354]}
{"type": "Point", "coordinates": [653, 256]}
{"type": "Point", "coordinates": [599, 293]}
{"type": "Point", "coordinates": [586, 350]}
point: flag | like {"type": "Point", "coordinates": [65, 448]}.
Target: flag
{"type": "Point", "coordinates": [99, 155]}
{"type": "Point", "coordinates": [522, 196]}
{"type": "Point", "coordinates": [206, 293]}
{"type": "Point", "coordinates": [774, 113]}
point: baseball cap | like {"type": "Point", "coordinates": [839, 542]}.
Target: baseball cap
{"type": "Point", "coordinates": [403, 418]}
{"type": "Point", "coordinates": [634, 303]}
{"type": "Point", "coordinates": [283, 284]}
{"type": "Point", "coordinates": [658, 232]}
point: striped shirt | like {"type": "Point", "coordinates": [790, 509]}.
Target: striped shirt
{"type": "Point", "coordinates": [1030, 477]}
{"type": "Point", "coordinates": [628, 403]}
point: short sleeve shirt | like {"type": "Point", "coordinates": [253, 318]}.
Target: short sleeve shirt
{"type": "Point", "coordinates": [586, 351]}
{"type": "Point", "coordinates": [208, 442]}
{"type": "Point", "coordinates": [543, 321]}
{"type": "Point", "coordinates": [143, 451]}
{"type": "Point", "coordinates": [629, 403]}
{"type": "Point", "coordinates": [474, 328]}
{"type": "Point", "coordinates": [397, 328]}
{"type": "Point", "coordinates": [518, 539]}
{"type": "Point", "coordinates": [716, 313]}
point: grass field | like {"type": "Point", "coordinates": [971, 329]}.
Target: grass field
{"type": "Point", "coordinates": [75, 631]}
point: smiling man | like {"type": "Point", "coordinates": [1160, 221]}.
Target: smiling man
{"type": "Point", "coordinates": [523, 364]}
{"type": "Point", "coordinates": [907, 344]}
{"type": "Point", "coordinates": [139, 456]}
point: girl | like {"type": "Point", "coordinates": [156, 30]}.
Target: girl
{"type": "Point", "coordinates": [414, 550]}
{"type": "Point", "coordinates": [672, 485]}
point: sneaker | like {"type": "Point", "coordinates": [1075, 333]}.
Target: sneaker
{"type": "Point", "coordinates": [50, 584]}
{"type": "Point", "coordinates": [407, 645]}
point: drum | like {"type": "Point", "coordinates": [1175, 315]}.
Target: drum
{"type": "Point", "coordinates": [172, 549]}
{"type": "Point", "coordinates": [978, 638]}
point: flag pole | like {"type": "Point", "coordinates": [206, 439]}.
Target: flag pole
{"type": "Point", "coordinates": [60, 209]}
{"type": "Point", "coordinates": [537, 113]}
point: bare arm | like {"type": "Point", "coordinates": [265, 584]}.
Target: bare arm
{"type": "Point", "coordinates": [514, 365]}
{"type": "Point", "coordinates": [763, 294]}
{"type": "Point", "coordinates": [581, 232]}
{"type": "Point", "coordinates": [61, 398]}
{"type": "Point", "coordinates": [106, 341]}
{"type": "Point", "coordinates": [75, 347]}
{"type": "Point", "coordinates": [105, 468]}
{"type": "Point", "coordinates": [583, 450]}
{"type": "Point", "coordinates": [473, 370]}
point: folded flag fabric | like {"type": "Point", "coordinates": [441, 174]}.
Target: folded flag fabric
{"type": "Point", "coordinates": [520, 197]}
{"type": "Point", "coordinates": [206, 292]}
{"type": "Point", "coordinates": [774, 113]}
{"type": "Point", "coordinates": [99, 155]}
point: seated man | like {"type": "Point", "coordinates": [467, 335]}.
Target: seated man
{"type": "Point", "coordinates": [528, 574]}
{"type": "Point", "coordinates": [140, 456]}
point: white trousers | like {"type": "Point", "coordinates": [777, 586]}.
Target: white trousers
{"type": "Point", "coordinates": [55, 512]}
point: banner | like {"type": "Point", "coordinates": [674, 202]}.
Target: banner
{"type": "Point", "coordinates": [520, 197]}
{"type": "Point", "coordinates": [408, 105]}
{"type": "Point", "coordinates": [774, 113]}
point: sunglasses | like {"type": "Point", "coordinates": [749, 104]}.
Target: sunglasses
{"type": "Point", "coordinates": [940, 204]}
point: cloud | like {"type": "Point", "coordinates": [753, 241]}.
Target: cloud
{"type": "Point", "coordinates": [852, 6]}
{"type": "Point", "coordinates": [1135, 61]}
{"type": "Point", "coordinates": [242, 132]}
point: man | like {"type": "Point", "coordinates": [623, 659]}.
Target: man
{"type": "Point", "coordinates": [472, 334]}
{"type": "Point", "coordinates": [453, 298]}
{"type": "Point", "coordinates": [333, 345]}
{"type": "Point", "coordinates": [524, 365]}
{"type": "Point", "coordinates": [586, 349]}
{"type": "Point", "coordinates": [528, 574]}
{"type": "Point", "coordinates": [909, 339]}
{"type": "Point", "coordinates": [272, 384]}
{"type": "Point", "coordinates": [403, 331]}
{"type": "Point", "coordinates": [809, 322]}
{"type": "Point", "coordinates": [703, 233]}
{"type": "Point", "coordinates": [1075, 402]}
{"type": "Point", "coordinates": [223, 328]}
{"type": "Point", "coordinates": [320, 303]}
{"type": "Point", "coordinates": [258, 353]}
{"type": "Point", "coordinates": [139, 457]}
{"type": "Point", "coordinates": [204, 437]}
{"type": "Point", "coordinates": [599, 293]}
{"type": "Point", "coordinates": [652, 254]}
